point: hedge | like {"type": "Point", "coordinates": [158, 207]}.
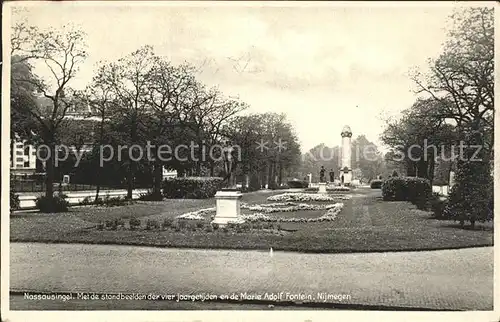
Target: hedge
{"type": "Point", "coordinates": [297, 184]}
{"type": "Point", "coordinates": [416, 190]}
{"type": "Point", "coordinates": [52, 204]}
{"type": "Point", "coordinates": [191, 187]}
{"type": "Point", "coordinates": [14, 200]}
{"type": "Point", "coordinates": [376, 184]}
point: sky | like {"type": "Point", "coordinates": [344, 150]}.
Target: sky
{"type": "Point", "coordinates": [324, 65]}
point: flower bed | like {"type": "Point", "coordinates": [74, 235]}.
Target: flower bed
{"type": "Point", "coordinates": [330, 215]}
{"type": "Point", "coordinates": [305, 197]}
{"type": "Point", "coordinates": [197, 215]}
{"type": "Point", "coordinates": [285, 207]}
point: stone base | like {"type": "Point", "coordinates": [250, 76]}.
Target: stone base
{"type": "Point", "coordinates": [322, 187]}
{"type": "Point", "coordinates": [347, 177]}
{"type": "Point", "coordinates": [227, 207]}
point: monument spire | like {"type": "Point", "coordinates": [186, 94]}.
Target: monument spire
{"type": "Point", "coordinates": [345, 173]}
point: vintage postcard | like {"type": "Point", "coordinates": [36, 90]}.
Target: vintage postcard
{"type": "Point", "coordinates": [298, 161]}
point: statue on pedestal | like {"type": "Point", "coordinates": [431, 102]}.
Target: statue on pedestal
{"type": "Point", "coordinates": [332, 175]}
{"type": "Point", "coordinates": [227, 157]}
{"type": "Point", "coordinates": [322, 174]}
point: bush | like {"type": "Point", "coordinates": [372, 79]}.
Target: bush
{"type": "Point", "coordinates": [167, 222]}
{"type": "Point", "coordinates": [298, 184]}
{"type": "Point", "coordinates": [376, 184]}
{"type": "Point", "coordinates": [52, 204]}
{"type": "Point", "coordinates": [116, 201]}
{"type": "Point", "coordinates": [191, 187]}
{"type": "Point", "coordinates": [86, 201]}
{"type": "Point", "coordinates": [111, 224]}
{"type": "Point", "coordinates": [152, 224]}
{"type": "Point", "coordinates": [14, 200]}
{"type": "Point", "coordinates": [395, 173]}
{"type": "Point", "coordinates": [100, 226]}
{"type": "Point", "coordinates": [471, 197]}
{"type": "Point", "coordinates": [254, 183]}
{"type": "Point", "coordinates": [416, 190]}
{"type": "Point", "coordinates": [150, 196]}
{"type": "Point", "coordinates": [134, 223]}
{"type": "Point", "coordinates": [437, 205]}
{"type": "Point", "coordinates": [273, 186]}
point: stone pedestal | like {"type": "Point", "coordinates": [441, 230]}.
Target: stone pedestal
{"type": "Point", "coordinates": [452, 179]}
{"type": "Point", "coordinates": [322, 187]}
{"type": "Point", "coordinates": [227, 207]}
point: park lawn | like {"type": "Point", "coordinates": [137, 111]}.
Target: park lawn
{"type": "Point", "coordinates": [365, 224]}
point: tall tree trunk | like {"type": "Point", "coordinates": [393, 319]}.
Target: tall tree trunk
{"type": "Point", "coordinates": [212, 168]}
{"type": "Point", "coordinates": [157, 179]}
{"type": "Point", "coordinates": [49, 166]}
{"type": "Point", "coordinates": [432, 166]}
{"type": "Point", "coordinates": [280, 175]}
{"type": "Point", "coordinates": [98, 167]}
{"type": "Point", "coordinates": [130, 180]}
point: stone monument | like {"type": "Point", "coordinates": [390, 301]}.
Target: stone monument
{"type": "Point", "coordinates": [227, 200]}
{"type": "Point", "coordinates": [345, 164]}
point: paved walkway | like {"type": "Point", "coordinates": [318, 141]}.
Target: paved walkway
{"type": "Point", "coordinates": [449, 279]}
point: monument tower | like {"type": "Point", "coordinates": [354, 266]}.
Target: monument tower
{"type": "Point", "coordinates": [345, 164]}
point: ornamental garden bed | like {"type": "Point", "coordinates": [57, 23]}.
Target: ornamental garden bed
{"type": "Point", "coordinates": [364, 224]}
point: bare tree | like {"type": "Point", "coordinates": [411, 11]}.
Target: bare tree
{"type": "Point", "coordinates": [61, 53]}
{"type": "Point", "coordinates": [166, 84]}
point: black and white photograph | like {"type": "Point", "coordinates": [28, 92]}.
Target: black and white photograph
{"type": "Point", "coordinates": [317, 157]}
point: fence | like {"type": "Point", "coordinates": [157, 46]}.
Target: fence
{"type": "Point", "coordinates": [34, 186]}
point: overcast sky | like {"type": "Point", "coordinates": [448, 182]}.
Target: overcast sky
{"type": "Point", "coordinates": [324, 66]}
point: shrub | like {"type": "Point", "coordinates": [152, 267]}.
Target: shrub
{"type": "Point", "coordinates": [215, 226]}
{"type": "Point", "coordinates": [209, 228]}
{"type": "Point", "coordinates": [111, 224]}
{"type": "Point", "coordinates": [152, 224]}
{"type": "Point", "coordinates": [395, 173]}
{"type": "Point", "coordinates": [116, 201]}
{"type": "Point", "coordinates": [298, 184]}
{"type": "Point", "coordinates": [100, 226]}
{"type": "Point", "coordinates": [150, 196]}
{"type": "Point", "coordinates": [52, 204]}
{"type": "Point", "coordinates": [86, 201]}
{"type": "Point", "coordinates": [471, 197]}
{"type": "Point", "coordinates": [437, 205]}
{"type": "Point", "coordinates": [272, 186]}
{"type": "Point", "coordinates": [14, 200]}
{"type": "Point", "coordinates": [416, 190]}
{"type": "Point", "coordinates": [191, 187]}
{"type": "Point", "coordinates": [253, 184]}
{"type": "Point", "coordinates": [167, 222]}
{"type": "Point", "coordinates": [376, 184]}
{"type": "Point", "coordinates": [200, 224]}
{"type": "Point", "coordinates": [134, 223]}
{"type": "Point", "coordinates": [176, 225]}
{"type": "Point", "coordinates": [182, 224]}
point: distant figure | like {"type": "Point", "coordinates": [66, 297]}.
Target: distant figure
{"type": "Point", "coordinates": [342, 179]}
{"type": "Point", "coordinates": [332, 175]}
{"type": "Point", "coordinates": [322, 174]}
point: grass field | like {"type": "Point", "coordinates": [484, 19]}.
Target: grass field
{"type": "Point", "coordinates": [366, 223]}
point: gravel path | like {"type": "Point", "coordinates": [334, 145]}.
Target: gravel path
{"type": "Point", "coordinates": [448, 279]}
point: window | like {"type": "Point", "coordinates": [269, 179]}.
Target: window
{"type": "Point", "coordinates": [26, 164]}
{"type": "Point", "coordinates": [19, 152]}
{"type": "Point", "coordinates": [19, 159]}
{"type": "Point", "coordinates": [27, 150]}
